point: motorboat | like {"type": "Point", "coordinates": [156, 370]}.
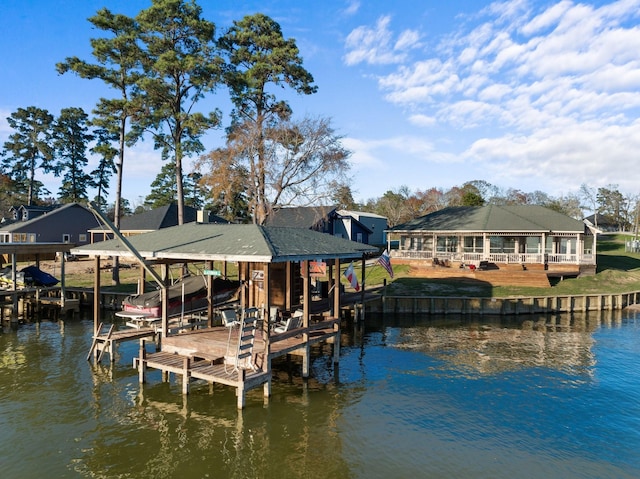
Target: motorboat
{"type": "Point", "coordinates": [186, 295]}
{"type": "Point", "coordinates": [27, 276]}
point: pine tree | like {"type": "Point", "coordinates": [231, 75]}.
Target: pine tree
{"type": "Point", "coordinates": [71, 141]}
{"type": "Point", "coordinates": [260, 56]}
{"type": "Point", "coordinates": [181, 65]}
{"type": "Point", "coordinates": [28, 150]}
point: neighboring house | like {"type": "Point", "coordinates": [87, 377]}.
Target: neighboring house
{"type": "Point", "coordinates": [376, 224]}
{"type": "Point", "coordinates": [26, 212]}
{"type": "Point", "coordinates": [366, 228]}
{"type": "Point", "coordinates": [497, 234]}
{"type": "Point", "coordinates": [316, 218]}
{"type": "Point", "coordinates": [604, 223]}
{"type": "Point", "coordinates": [154, 220]}
{"type": "Point", "coordinates": [68, 223]}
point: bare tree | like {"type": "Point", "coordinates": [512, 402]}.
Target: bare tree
{"type": "Point", "coordinates": [301, 163]}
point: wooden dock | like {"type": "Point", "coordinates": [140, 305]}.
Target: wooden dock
{"type": "Point", "coordinates": [212, 355]}
{"type": "Point", "coordinates": [106, 341]}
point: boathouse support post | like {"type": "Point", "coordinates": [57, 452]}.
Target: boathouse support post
{"type": "Point", "coordinates": [267, 384]}
{"type": "Point", "coordinates": [142, 280]}
{"type": "Point", "coordinates": [364, 286]}
{"type": "Point", "coordinates": [288, 286]}
{"type": "Point", "coordinates": [306, 312]}
{"type": "Point", "coordinates": [186, 375]}
{"type": "Point", "coordinates": [336, 344]}
{"type": "Point", "coordinates": [14, 296]}
{"type": "Point", "coordinates": [336, 288]}
{"type": "Point", "coordinates": [96, 295]}
{"type": "Point", "coordinates": [164, 300]}
{"type": "Point", "coordinates": [63, 289]}
{"type": "Point", "coordinates": [210, 293]}
{"type": "Point", "coordinates": [240, 390]}
{"type": "Point", "coordinates": [142, 363]}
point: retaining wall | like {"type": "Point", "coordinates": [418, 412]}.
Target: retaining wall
{"type": "Point", "coordinates": [507, 306]}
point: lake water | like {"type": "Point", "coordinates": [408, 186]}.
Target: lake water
{"type": "Point", "coordinates": [440, 397]}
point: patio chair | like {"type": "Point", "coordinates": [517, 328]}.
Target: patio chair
{"type": "Point", "coordinates": [289, 324]}
{"type": "Point", "coordinates": [229, 318]}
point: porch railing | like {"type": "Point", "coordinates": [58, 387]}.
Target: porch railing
{"type": "Point", "coordinates": [514, 258]}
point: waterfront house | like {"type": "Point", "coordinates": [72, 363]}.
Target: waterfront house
{"type": "Point", "coordinates": [47, 231]}
{"type": "Point", "coordinates": [362, 227]}
{"type": "Point", "coordinates": [527, 236]}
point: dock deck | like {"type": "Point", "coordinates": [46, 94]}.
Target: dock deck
{"type": "Point", "coordinates": [210, 355]}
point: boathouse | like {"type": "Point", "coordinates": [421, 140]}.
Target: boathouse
{"type": "Point", "coordinates": [275, 314]}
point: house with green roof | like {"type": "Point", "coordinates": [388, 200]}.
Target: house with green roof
{"type": "Point", "coordinates": [526, 235]}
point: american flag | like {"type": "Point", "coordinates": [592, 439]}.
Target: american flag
{"type": "Point", "coordinates": [385, 261]}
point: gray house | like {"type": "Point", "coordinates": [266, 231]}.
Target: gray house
{"type": "Point", "coordinates": [69, 223]}
{"type": "Point", "coordinates": [375, 224]}
{"type": "Point", "coordinates": [28, 212]}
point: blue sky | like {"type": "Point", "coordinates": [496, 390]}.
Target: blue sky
{"type": "Point", "coordinates": [532, 95]}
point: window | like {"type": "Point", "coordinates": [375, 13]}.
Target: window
{"type": "Point", "coordinates": [82, 238]}
{"type": "Point", "coordinates": [500, 244]}
{"type": "Point", "coordinates": [66, 238]}
{"type": "Point", "coordinates": [473, 244]}
{"type": "Point", "coordinates": [532, 245]}
{"type": "Point", "coordinates": [447, 244]}
{"type": "Point", "coordinates": [19, 237]}
{"type": "Point", "coordinates": [566, 246]}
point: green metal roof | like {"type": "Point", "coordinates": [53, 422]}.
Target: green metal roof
{"type": "Point", "coordinates": [492, 218]}
{"type": "Point", "coordinates": [231, 242]}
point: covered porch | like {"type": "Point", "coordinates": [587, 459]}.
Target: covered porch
{"type": "Point", "coordinates": [506, 248]}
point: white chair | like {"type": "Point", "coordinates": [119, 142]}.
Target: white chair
{"type": "Point", "coordinates": [229, 318]}
{"type": "Point", "coordinates": [294, 322]}
{"type": "Point", "coordinates": [274, 315]}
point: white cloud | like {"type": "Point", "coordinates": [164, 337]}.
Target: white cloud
{"type": "Point", "coordinates": [549, 93]}
{"type": "Point", "coordinates": [546, 19]}
{"type": "Point", "coordinates": [422, 120]}
{"type": "Point", "coordinates": [352, 7]}
{"type": "Point", "coordinates": [376, 46]}
{"type": "Point", "coordinates": [585, 152]}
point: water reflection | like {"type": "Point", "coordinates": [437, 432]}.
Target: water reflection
{"type": "Point", "coordinates": [556, 396]}
{"type": "Point", "coordinates": [165, 435]}
{"type": "Point", "coordinates": [490, 346]}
